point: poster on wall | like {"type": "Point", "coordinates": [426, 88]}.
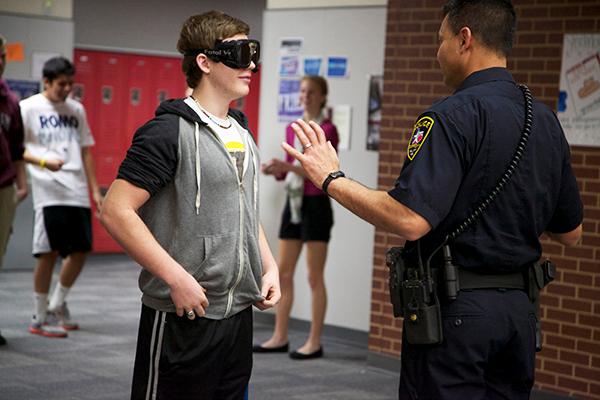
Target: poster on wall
{"type": "Point", "coordinates": [312, 65]}
{"type": "Point", "coordinates": [341, 116]}
{"type": "Point", "coordinates": [290, 46]}
{"type": "Point", "coordinates": [579, 98]}
{"type": "Point", "coordinates": [288, 100]}
{"type": "Point", "coordinates": [23, 89]}
{"type": "Point", "coordinates": [288, 106]}
{"type": "Point", "coordinates": [38, 59]}
{"type": "Point", "coordinates": [15, 52]}
{"type": "Point", "coordinates": [289, 59]}
{"type": "Point", "coordinates": [374, 111]}
{"type": "Point", "coordinates": [337, 67]}
{"type": "Point", "coordinates": [289, 66]}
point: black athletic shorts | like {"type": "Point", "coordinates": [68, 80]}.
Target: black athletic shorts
{"type": "Point", "coordinates": [184, 359]}
{"type": "Point", "coordinates": [316, 224]}
{"type": "Point", "coordinates": [66, 229]}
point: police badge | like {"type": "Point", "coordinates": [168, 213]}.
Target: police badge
{"type": "Point", "coordinates": [420, 132]}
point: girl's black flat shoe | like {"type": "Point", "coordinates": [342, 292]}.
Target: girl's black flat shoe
{"type": "Point", "coordinates": [257, 348]}
{"type": "Point", "coordinates": [295, 355]}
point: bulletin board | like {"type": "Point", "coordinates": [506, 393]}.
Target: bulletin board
{"type": "Point", "coordinates": [579, 99]}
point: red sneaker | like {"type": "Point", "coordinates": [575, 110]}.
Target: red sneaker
{"type": "Point", "coordinates": [52, 331]}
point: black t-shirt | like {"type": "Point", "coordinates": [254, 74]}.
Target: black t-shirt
{"type": "Point", "coordinates": [458, 151]}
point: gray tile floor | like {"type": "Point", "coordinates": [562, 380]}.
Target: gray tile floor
{"type": "Point", "coordinates": [96, 361]}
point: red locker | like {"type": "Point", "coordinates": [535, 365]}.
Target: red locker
{"type": "Point", "coordinates": [140, 104]}
{"type": "Point", "coordinates": [169, 82]}
{"type": "Point", "coordinates": [102, 77]}
{"type": "Point", "coordinates": [85, 87]}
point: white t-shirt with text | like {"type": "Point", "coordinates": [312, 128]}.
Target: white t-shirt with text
{"type": "Point", "coordinates": [57, 130]}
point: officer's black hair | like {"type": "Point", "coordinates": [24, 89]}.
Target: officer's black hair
{"type": "Point", "coordinates": [57, 66]}
{"type": "Point", "coordinates": [493, 22]}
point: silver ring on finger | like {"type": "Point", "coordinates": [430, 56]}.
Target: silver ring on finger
{"type": "Point", "coordinates": [307, 145]}
{"type": "Point", "coordinates": [190, 314]}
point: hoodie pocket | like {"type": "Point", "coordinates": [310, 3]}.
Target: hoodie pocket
{"type": "Point", "coordinates": [218, 270]}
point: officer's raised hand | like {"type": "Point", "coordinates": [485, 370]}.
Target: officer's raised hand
{"type": "Point", "coordinates": [319, 158]}
{"type": "Point", "coordinates": [320, 162]}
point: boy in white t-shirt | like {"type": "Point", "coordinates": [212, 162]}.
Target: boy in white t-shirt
{"type": "Point", "coordinates": [58, 148]}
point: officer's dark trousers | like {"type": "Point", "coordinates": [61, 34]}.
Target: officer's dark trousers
{"type": "Point", "coordinates": [488, 350]}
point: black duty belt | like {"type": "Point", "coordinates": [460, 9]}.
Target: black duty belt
{"type": "Point", "coordinates": [472, 280]}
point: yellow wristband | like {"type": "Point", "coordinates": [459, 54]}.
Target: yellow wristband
{"type": "Point", "coordinates": [43, 163]}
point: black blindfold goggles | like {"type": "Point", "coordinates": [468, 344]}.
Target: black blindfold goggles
{"type": "Point", "coordinates": [236, 54]}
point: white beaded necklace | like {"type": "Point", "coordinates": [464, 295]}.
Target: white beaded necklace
{"type": "Point", "coordinates": [210, 117]}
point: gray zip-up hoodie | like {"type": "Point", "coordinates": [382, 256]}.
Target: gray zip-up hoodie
{"type": "Point", "coordinates": [205, 217]}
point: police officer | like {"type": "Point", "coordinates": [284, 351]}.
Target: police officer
{"type": "Point", "coordinates": [457, 153]}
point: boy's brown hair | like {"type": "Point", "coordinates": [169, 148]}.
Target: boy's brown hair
{"type": "Point", "coordinates": [203, 31]}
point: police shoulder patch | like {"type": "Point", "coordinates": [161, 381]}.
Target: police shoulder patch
{"type": "Point", "coordinates": [420, 132]}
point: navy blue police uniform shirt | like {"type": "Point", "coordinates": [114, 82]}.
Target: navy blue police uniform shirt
{"type": "Point", "coordinates": [460, 148]}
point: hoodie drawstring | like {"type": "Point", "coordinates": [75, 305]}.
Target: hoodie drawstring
{"type": "Point", "coordinates": [256, 171]}
{"type": "Point", "coordinates": [197, 136]}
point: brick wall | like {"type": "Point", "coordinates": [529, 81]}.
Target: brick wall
{"type": "Point", "coordinates": [570, 362]}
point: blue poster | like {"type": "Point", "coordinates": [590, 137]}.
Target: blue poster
{"type": "Point", "coordinates": [312, 65]}
{"type": "Point", "coordinates": [23, 89]}
{"type": "Point", "coordinates": [288, 107]}
{"type": "Point", "coordinates": [337, 67]}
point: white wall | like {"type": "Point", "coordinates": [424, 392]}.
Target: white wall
{"type": "Point", "coordinates": [37, 34]}
{"type": "Point", "coordinates": [54, 8]}
{"type": "Point", "coordinates": [273, 4]}
{"type": "Point", "coordinates": [150, 26]}
{"type": "Point", "coordinates": [358, 33]}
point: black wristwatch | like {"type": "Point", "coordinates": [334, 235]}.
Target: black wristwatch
{"type": "Point", "coordinates": [330, 177]}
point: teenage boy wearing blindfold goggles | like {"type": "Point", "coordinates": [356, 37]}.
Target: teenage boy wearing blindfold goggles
{"type": "Point", "coordinates": [184, 206]}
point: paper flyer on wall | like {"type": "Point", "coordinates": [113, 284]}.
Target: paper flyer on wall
{"type": "Point", "coordinates": [341, 116]}
{"type": "Point", "coordinates": [290, 46]}
{"type": "Point", "coordinates": [23, 88]}
{"type": "Point", "coordinates": [289, 66]}
{"type": "Point", "coordinates": [15, 52]}
{"type": "Point", "coordinates": [374, 111]}
{"type": "Point", "coordinates": [338, 67]}
{"type": "Point", "coordinates": [289, 59]}
{"type": "Point", "coordinates": [579, 98]}
{"type": "Point", "coordinates": [288, 101]}
{"type": "Point", "coordinates": [312, 65]}
{"type": "Point", "coordinates": [38, 59]}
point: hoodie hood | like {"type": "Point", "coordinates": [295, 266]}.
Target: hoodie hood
{"type": "Point", "coordinates": [179, 108]}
